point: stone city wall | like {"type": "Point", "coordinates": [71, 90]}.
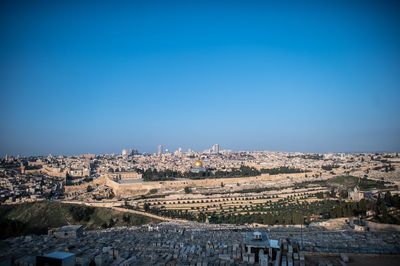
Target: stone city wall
{"type": "Point", "coordinates": [51, 172]}
{"type": "Point", "coordinates": [124, 175]}
{"type": "Point", "coordinates": [144, 187]}
{"type": "Point", "coordinates": [32, 171]}
{"type": "Point", "coordinates": [141, 188]}
{"type": "Point", "coordinates": [99, 181]}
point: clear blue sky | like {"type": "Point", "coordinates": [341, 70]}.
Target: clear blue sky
{"type": "Point", "coordinates": [319, 76]}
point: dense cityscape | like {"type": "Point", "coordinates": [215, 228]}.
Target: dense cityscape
{"type": "Point", "coordinates": [198, 196]}
{"type": "Point", "coordinates": [199, 133]}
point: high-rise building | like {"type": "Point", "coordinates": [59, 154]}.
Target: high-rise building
{"type": "Point", "coordinates": [215, 148]}
{"type": "Point", "coordinates": [160, 150]}
{"type": "Point", "coordinates": [124, 153]}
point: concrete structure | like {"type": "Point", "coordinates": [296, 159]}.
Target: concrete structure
{"type": "Point", "coordinates": [215, 148]}
{"type": "Point", "coordinates": [56, 258]}
{"type": "Point", "coordinates": [258, 243]}
{"type": "Point", "coordinates": [69, 231]}
{"type": "Point", "coordinates": [160, 150]}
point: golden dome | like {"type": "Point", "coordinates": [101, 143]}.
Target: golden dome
{"type": "Point", "coordinates": [198, 164]}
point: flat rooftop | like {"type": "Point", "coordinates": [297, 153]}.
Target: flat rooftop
{"type": "Point", "coordinates": [59, 255]}
{"type": "Point", "coordinates": [263, 242]}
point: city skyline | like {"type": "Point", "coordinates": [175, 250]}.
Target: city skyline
{"type": "Point", "coordinates": [179, 149]}
{"type": "Point", "coordinates": [298, 77]}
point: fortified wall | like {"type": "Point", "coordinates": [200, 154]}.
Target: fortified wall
{"type": "Point", "coordinates": [124, 175]}
{"type": "Point", "coordinates": [136, 189]}
{"type": "Point", "coordinates": [99, 181]}
{"type": "Point", "coordinates": [56, 172]}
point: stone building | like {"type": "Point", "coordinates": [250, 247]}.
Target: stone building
{"type": "Point", "coordinates": [68, 231]}
{"type": "Point", "coordinates": [355, 194]}
{"type": "Point", "coordinates": [258, 243]}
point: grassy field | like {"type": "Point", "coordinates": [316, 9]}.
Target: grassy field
{"type": "Point", "coordinates": [37, 218]}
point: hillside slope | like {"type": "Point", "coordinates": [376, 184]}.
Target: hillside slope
{"type": "Point", "coordinates": [38, 217]}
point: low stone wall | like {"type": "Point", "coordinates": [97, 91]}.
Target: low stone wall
{"type": "Point", "coordinates": [382, 227]}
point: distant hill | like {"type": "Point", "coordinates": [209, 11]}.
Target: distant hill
{"type": "Point", "coordinates": [38, 217]}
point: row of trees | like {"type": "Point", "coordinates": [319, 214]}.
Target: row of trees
{"type": "Point", "coordinates": [268, 218]}
{"type": "Point", "coordinates": [286, 211]}
{"type": "Point", "coordinates": [379, 208]}
{"type": "Point", "coordinates": [312, 156]}
{"type": "Point", "coordinates": [154, 175]}
{"type": "Point", "coordinates": [283, 170]}
{"type": "Point", "coordinates": [242, 171]}
{"type": "Point", "coordinates": [165, 175]}
{"type": "Point", "coordinates": [289, 211]}
{"type": "Point", "coordinates": [329, 167]}
{"type": "Point", "coordinates": [388, 168]}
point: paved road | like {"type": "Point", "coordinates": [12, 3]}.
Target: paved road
{"type": "Point", "coordinates": [147, 214]}
{"type": "Point", "coordinates": [110, 206]}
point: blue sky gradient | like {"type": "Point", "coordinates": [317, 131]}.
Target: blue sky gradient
{"type": "Point", "coordinates": [78, 77]}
